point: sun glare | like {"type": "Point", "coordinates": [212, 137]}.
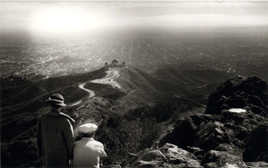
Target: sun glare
{"type": "Point", "coordinates": [66, 21]}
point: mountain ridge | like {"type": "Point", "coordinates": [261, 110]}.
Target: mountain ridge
{"type": "Point", "coordinates": [140, 93]}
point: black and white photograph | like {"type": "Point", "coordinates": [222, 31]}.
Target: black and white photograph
{"type": "Point", "coordinates": [134, 84]}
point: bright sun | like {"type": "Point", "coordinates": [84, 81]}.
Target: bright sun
{"type": "Point", "coordinates": [66, 21]}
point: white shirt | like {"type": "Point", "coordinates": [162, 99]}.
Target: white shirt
{"type": "Point", "coordinates": [87, 153]}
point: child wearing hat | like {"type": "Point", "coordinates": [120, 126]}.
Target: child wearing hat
{"type": "Point", "coordinates": [87, 151]}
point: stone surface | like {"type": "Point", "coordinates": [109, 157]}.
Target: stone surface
{"type": "Point", "coordinates": [167, 156]}
{"type": "Point", "coordinates": [209, 135]}
{"type": "Point", "coordinates": [257, 164]}
{"type": "Point", "coordinates": [240, 92]}
{"type": "Point", "coordinates": [153, 155]}
{"type": "Point", "coordinates": [257, 145]}
{"type": "Point", "coordinates": [182, 134]}
{"type": "Point", "coordinates": [220, 137]}
{"type": "Point", "coordinates": [221, 158]}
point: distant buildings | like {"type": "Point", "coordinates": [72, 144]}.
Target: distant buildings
{"type": "Point", "coordinates": [115, 64]}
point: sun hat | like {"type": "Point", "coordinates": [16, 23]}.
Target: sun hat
{"type": "Point", "coordinates": [56, 99]}
{"type": "Point", "coordinates": [87, 128]}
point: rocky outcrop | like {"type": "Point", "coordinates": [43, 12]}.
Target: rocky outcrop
{"type": "Point", "coordinates": [167, 156]}
{"type": "Point", "coordinates": [214, 158]}
{"type": "Point", "coordinates": [249, 93]}
{"type": "Point", "coordinates": [257, 145]}
{"type": "Point", "coordinates": [233, 132]}
{"type": "Point", "coordinates": [182, 134]}
{"type": "Point", "coordinates": [221, 139]}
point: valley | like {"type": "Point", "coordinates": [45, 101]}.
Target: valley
{"type": "Point", "coordinates": [169, 83]}
{"type": "Point", "coordinates": [160, 78]}
{"type": "Point", "coordinates": [23, 101]}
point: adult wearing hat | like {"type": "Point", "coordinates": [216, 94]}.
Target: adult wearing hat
{"type": "Point", "coordinates": [87, 151]}
{"type": "Point", "coordinates": [55, 137]}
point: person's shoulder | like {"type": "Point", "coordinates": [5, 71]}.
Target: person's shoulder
{"type": "Point", "coordinates": [60, 117]}
{"type": "Point", "coordinates": [65, 116]}
{"type": "Point", "coordinates": [77, 142]}
{"type": "Point", "coordinates": [98, 143]}
{"type": "Point", "coordinates": [42, 116]}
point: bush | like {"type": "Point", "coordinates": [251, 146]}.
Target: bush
{"type": "Point", "coordinates": [11, 154]}
{"type": "Point", "coordinates": [122, 136]}
{"type": "Point", "coordinates": [137, 129]}
{"type": "Point", "coordinates": [133, 131]}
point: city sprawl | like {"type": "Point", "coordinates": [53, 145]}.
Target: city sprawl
{"type": "Point", "coordinates": [232, 50]}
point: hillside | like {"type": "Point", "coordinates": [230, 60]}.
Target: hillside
{"type": "Point", "coordinates": [160, 96]}
{"type": "Point", "coordinates": [172, 83]}
{"type": "Point", "coordinates": [229, 134]}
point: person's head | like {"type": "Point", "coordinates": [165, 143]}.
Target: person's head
{"type": "Point", "coordinates": [56, 101]}
{"type": "Point", "coordinates": [87, 130]}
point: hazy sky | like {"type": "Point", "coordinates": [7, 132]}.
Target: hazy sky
{"type": "Point", "coordinates": [70, 17]}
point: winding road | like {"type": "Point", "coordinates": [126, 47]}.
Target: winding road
{"type": "Point", "coordinates": [109, 79]}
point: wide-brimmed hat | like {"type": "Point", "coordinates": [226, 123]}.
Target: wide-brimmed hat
{"type": "Point", "coordinates": [56, 99]}
{"type": "Point", "coordinates": [87, 128]}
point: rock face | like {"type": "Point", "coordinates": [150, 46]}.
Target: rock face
{"type": "Point", "coordinates": [233, 132]}
{"type": "Point", "coordinates": [249, 93]}
{"type": "Point", "coordinates": [257, 145]}
{"type": "Point", "coordinates": [167, 156]}
{"type": "Point", "coordinates": [183, 134]}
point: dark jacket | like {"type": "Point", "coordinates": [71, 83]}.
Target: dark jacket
{"type": "Point", "coordinates": [55, 139]}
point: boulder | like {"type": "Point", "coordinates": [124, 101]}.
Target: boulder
{"type": "Point", "coordinates": [257, 145]}
{"type": "Point", "coordinates": [153, 155]}
{"type": "Point", "coordinates": [177, 155]}
{"type": "Point", "coordinates": [167, 156]}
{"type": "Point", "coordinates": [210, 135]}
{"type": "Point", "coordinates": [239, 92]}
{"type": "Point", "coordinates": [227, 135]}
{"type": "Point", "coordinates": [182, 134]}
{"type": "Point", "coordinates": [227, 165]}
{"type": "Point", "coordinates": [215, 158]}
{"type": "Point", "coordinates": [257, 164]}
{"type": "Point", "coordinates": [199, 153]}
{"type": "Point", "coordinates": [198, 119]}
{"type": "Point", "coordinates": [146, 164]}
